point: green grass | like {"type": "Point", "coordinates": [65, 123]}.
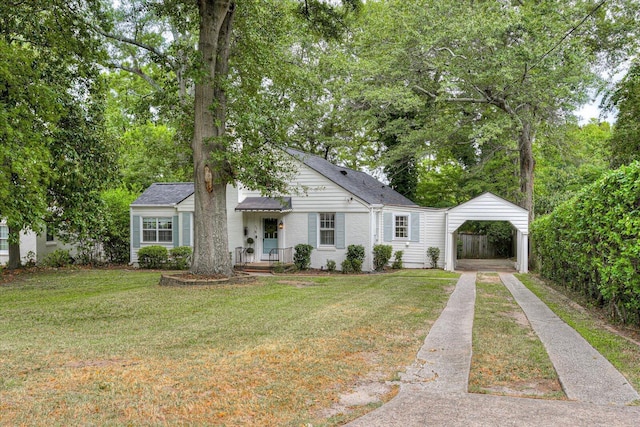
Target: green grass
{"type": "Point", "coordinates": [508, 358]}
{"type": "Point", "coordinates": [622, 353]}
{"type": "Point", "coordinates": [114, 348]}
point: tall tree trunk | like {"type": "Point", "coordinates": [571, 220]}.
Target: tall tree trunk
{"type": "Point", "coordinates": [211, 174]}
{"type": "Point", "coordinates": [14, 249]}
{"type": "Point", "coordinates": [527, 165]}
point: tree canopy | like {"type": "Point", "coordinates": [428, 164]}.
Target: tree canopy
{"type": "Point", "coordinates": [443, 99]}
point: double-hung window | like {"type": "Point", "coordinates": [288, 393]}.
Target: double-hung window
{"type": "Point", "coordinates": [157, 230]}
{"type": "Point", "coordinates": [4, 238]}
{"type": "Point", "coordinates": [401, 227]}
{"type": "Point", "coordinates": [327, 229]}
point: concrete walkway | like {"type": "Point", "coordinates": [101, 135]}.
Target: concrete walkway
{"type": "Point", "coordinates": [433, 392]}
{"type": "Point", "coordinates": [584, 373]}
{"type": "Point", "coordinates": [444, 361]}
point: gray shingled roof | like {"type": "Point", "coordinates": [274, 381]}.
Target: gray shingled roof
{"type": "Point", "coordinates": [165, 194]}
{"type": "Point", "coordinates": [262, 204]}
{"type": "Point", "coordinates": [360, 184]}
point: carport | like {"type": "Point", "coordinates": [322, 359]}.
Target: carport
{"type": "Point", "coordinates": [488, 207]}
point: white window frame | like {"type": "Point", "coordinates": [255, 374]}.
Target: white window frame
{"type": "Point", "coordinates": [321, 228]}
{"type": "Point", "coordinates": [406, 226]}
{"type": "Point", "coordinates": [5, 239]}
{"type": "Point", "coordinates": [157, 230]}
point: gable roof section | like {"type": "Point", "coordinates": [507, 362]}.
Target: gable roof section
{"type": "Point", "coordinates": [265, 204]}
{"type": "Point", "coordinates": [165, 194]}
{"type": "Point", "coordinates": [360, 184]}
{"type": "Point", "coordinates": [488, 207]}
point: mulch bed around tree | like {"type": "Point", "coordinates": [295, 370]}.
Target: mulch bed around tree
{"type": "Point", "coordinates": [189, 279]}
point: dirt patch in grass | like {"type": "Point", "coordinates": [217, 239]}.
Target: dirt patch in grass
{"type": "Point", "coordinates": [493, 278]}
{"type": "Point", "coordinates": [520, 318]}
{"type": "Point", "coordinates": [370, 391]}
{"type": "Point", "coordinates": [100, 363]}
{"type": "Point", "coordinates": [296, 284]}
{"type": "Point", "coordinates": [537, 388]}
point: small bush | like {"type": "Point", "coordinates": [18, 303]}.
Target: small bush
{"type": "Point", "coordinates": [153, 256]}
{"type": "Point", "coordinates": [434, 255]}
{"type": "Point", "coordinates": [355, 256]}
{"type": "Point", "coordinates": [397, 261]}
{"type": "Point", "coordinates": [381, 256]}
{"type": "Point", "coordinates": [58, 258]}
{"type": "Point", "coordinates": [278, 267]}
{"type": "Point", "coordinates": [355, 252]}
{"type": "Point", "coordinates": [331, 265]}
{"type": "Point", "coordinates": [180, 257]}
{"type": "Point", "coordinates": [346, 267]}
{"type": "Point", "coordinates": [30, 259]}
{"type": "Point", "coordinates": [302, 256]}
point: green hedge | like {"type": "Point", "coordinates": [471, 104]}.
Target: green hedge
{"type": "Point", "coordinates": [591, 243]}
{"type": "Point", "coordinates": [153, 256]}
{"type": "Point", "coordinates": [302, 256]}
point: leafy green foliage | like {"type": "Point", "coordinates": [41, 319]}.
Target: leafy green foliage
{"type": "Point", "coordinates": [331, 265]}
{"type": "Point", "coordinates": [354, 260]}
{"type": "Point", "coordinates": [625, 142]}
{"type": "Point", "coordinates": [154, 256]}
{"type": "Point", "coordinates": [302, 256]}
{"type": "Point", "coordinates": [115, 216]}
{"type": "Point", "coordinates": [381, 256]}
{"type": "Point", "coordinates": [397, 260]}
{"type": "Point", "coordinates": [568, 158]}
{"type": "Point", "coordinates": [180, 257]}
{"type": "Point", "coordinates": [58, 258]}
{"type": "Point", "coordinates": [433, 252]}
{"type": "Point", "coordinates": [51, 140]}
{"type": "Point", "coordinates": [591, 243]}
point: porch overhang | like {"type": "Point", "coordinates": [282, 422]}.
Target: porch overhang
{"type": "Point", "coordinates": [265, 204]}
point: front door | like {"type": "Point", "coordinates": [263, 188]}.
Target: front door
{"type": "Point", "coordinates": [270, 235]}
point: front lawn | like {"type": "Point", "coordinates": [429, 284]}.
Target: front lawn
{"type": "Point", "coordinates": [114, 348]}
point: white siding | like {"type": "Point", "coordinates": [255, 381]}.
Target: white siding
{"type": "Point", "coordinates": [414, 253]}
{"type": "Point", "coordinates": [150, 212]}
{"type": "Point", "coordinates": [44, 248]}
{"type": "Point", "coordinates": [488, 207]}
{"type": "Point", "coordinates": [235, 226]}
{"type": "Point", "coordinates": [435, 235]}
{"type": "Point", "coordinates": [321, 193]}
{"type": "Point", "coordinates": [356, 233]}
{"type": "Point", "coordinates": [28, 243]}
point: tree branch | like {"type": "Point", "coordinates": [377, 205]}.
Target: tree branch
{"type": "Point", "coordinates": [141, 45]}
{"type": "Point", "coordinates": [139, 72]}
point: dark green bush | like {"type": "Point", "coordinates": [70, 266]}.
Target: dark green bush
{"type": "Point", "coordinates": [346, 267]}
{"type": "Point", "coordinates": [153, 256]}
{"type": "Point", "coordinates": [591, 243]}
{"type": "Point", "coordinates": [331, 265]}
{"type": "Point", "coordinates": [302, 256]}
{"type": "Point", "coordinates": [58, 258]}
{"type": "Point", "coordinates": [114, 236]}
{"type": "Point", "coordinates": [355, 256]}
{"type": "Point", "coordinates": [433, 253]}
{"type": "Point", "coordinates": [381, 256]}
{"type": "Point", "coordinates": [180, 257]}
{"type": "Point", "coordinates": [397, 261]}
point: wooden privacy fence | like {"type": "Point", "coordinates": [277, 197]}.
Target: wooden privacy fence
{"type": "Point", "coordinates": [476, 246]}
